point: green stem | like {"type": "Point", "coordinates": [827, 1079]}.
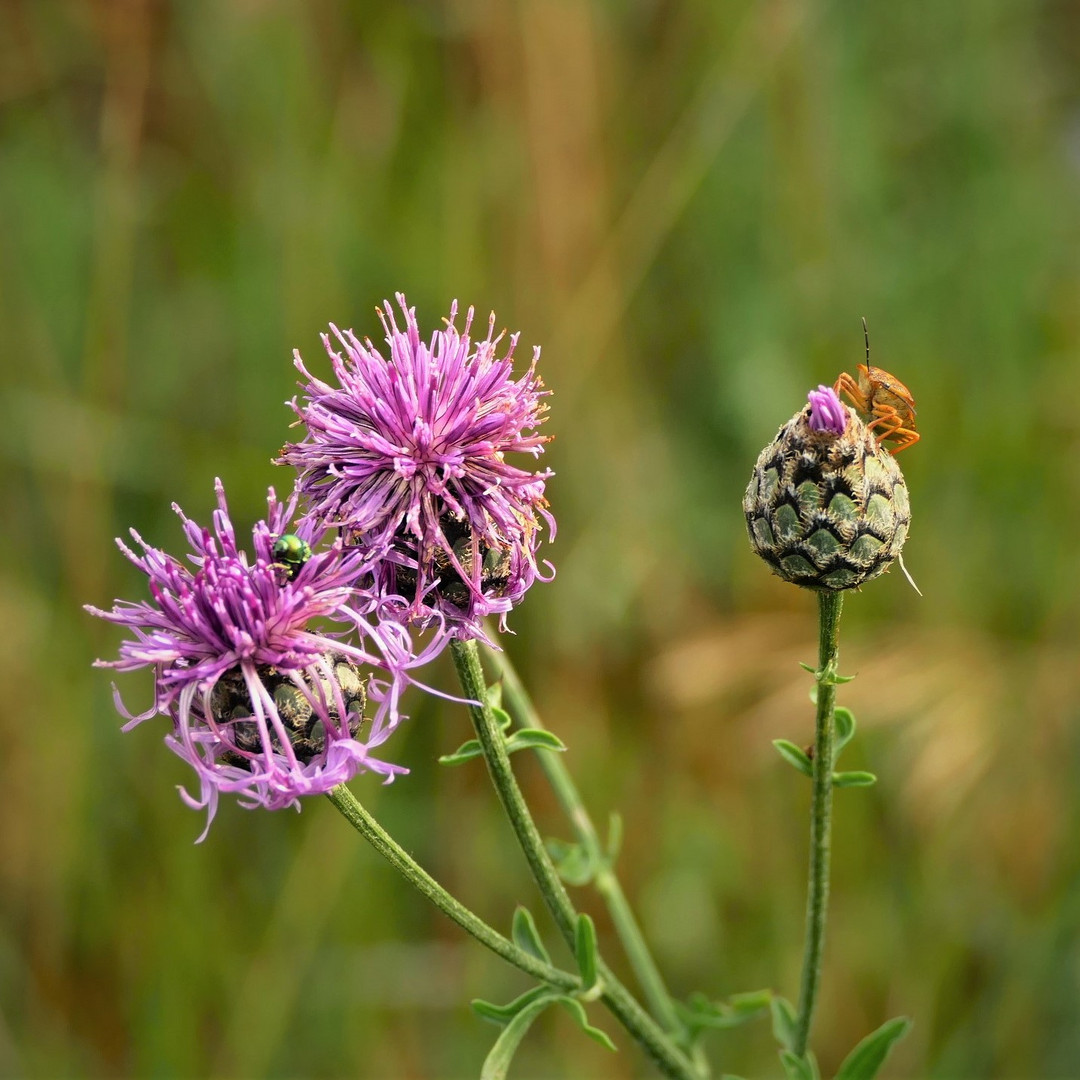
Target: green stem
{"type": "Point", "coordinates": [829, 606]}
{"type": "Point", "coordinates": [653, 1039]}
{"type": "Point", "coordinates": [605, 880]}
{"type": "Point", "coordinates": [389, 849]}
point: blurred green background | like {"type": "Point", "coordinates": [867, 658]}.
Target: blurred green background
{"type": "Point", "coordinates": [689, 206]}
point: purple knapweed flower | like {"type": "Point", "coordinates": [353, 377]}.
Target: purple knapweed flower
{"type": "Point", "coordinates": [409, 457]}
{"type": "Point", "coordinates": [264, 702]}
{"type": "Point", "coordinates": [827, 413]}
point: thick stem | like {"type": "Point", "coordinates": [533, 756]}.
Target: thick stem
{"type": "Point", "coordinates": [652, 1038]}
{"type": "Point", "coordinates": [387, 847]}
{"type": "Point", "coordinates": [829, 606]}
{"type": "Point", "coordinates": [606, 881]}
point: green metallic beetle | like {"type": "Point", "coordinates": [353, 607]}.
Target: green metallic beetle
{"type": "Point", "coordinates": [290, 553]}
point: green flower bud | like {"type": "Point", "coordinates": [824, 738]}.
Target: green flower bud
{"type": "Point", "coordinates": [826, 509]}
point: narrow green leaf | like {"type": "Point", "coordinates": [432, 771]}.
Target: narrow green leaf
{"type": "Point", "coordinates": [526, 936]}
{"type": "Point", "coordinates": [796, 1068]}
{"type": "Point", "coordinates": [867, 1058]}
{"type": "Point", "coordinates": [503, 1014]}
{"type": "Point", "coordinates": [845, 727]}
{"type": "Point", "coordinates": [502, 718]}
{"type": "Point", "coordinates": [495, 694]}
{"type": "Point", "coordinates": [794, 755]}
{"type": "Point", "coordinates": [533, 739]}
{"type": "Point", "coordinates": [585, 949]}
{"type": "Point", "coordinates": [784, 1021]}
{"type": "Point", "coordinates": [497, 1063]}
{"type": "Point", "coordinates": [839, 680]}
{"type": "Point", "coordinates": [700, 1013]}
{"type": "Point", "coordinates": [614, 836]}
{"type": "Point", "coordinates": [808, 667]}
{"type": "Point", "coordinates": [577, 1011]}
{"type": "Point", "coordinates": [695, 1013]}
{"type": "Point", "coordinates": [467, 751]}
{"type": "Point", "coordinates": [853, 779]}
{"type": "Point", "coordinates": [749, 1003]}
{"type": "Point", "coordinates": [572, 862]}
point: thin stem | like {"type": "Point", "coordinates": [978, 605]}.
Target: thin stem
{"type": "Point", "coordinates": [829, 606]}
{"type": "Point", "coordinates": [344, 800]}
{"type": "Point", "coordinates": [605, 880]}
{"type": "Point", "coordinates": [653, 1039]}
{"type": "Point", "coordinates": [467, 661]}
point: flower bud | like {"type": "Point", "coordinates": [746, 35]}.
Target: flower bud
{"type": "Point", "coordinates": [826, 507]}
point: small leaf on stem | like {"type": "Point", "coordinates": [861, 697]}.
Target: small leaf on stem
{"type": "Point", "coordinates": [533, 739]}
{"type": "Point", "coordinates": [526, 936]}
{"type": "Point", "coordinates": [845, 728]}
{"type": "Point", "coordinates": [785, 1022]}
{"type": "Point", "coordinates": [795, 756]}
{"type": "Point", "coordinates": [749, 1003]}
{"type": "Point", "coordinates": [700, 1013]}
{"type": "Point", "coordinates": [497, 1063]}
{"type": "Point", "coordinates": [800, 1068]}
{"type": "Point", "coordinates": [869, 1055]}
{"type": "Point", "coordinates": [853, 779]}
{"type": "Point", "coordinates": [577, 1011]}
{"type": "Point", "coordinates": [467, 751]}
{"type": "Point", "coordinates": [572, 862]}
{"type": "Point", "coordinates": [525, 739]}
{"type": "Point", "coordinates": [585, 950]}
{"type": "Point", "coordinates": [503, 1014]}
{"type": "Point", "coordinates": [502, 718]}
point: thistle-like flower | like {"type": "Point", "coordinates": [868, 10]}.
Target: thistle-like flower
{"type": "Point", "coordinates": [827, 507]}
{"type": "Point", "coordinates": [408, 457]}
{"type": "Point", "coordinates": [265, 700]}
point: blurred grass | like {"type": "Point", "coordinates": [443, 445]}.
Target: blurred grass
{"type": "Point", "coordinates": [689, 205]}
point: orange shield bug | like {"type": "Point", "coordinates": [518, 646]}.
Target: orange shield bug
{"type": "Point", "coordinates": [883, 399]}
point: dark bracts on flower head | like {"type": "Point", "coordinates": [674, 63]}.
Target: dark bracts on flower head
{"type": "Point", "coordinates": [826, 510]}
{"type": "Point", "coordinates": [468, 552]}
{"type": "Point", "coordinates": [301, 711]}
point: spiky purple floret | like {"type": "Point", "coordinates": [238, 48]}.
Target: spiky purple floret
{"type": "Point", "coordinates": [227, 613]}
{"type": "Point", "coordinates": [827, 413]}
{"type": "Point", "coordinates": [406, 449]}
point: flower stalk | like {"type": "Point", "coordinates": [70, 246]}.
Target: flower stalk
{"type": "Point", "coordinates": [829, 607]}
{"type": "Point", "coordinates": [671, 1061]}
{"type": "Point", "coordinates": [605, 880]}
{"type": "Point", "coordinates": [353, 811]}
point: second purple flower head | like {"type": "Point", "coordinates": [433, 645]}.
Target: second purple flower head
{"type": "Point", "coordinates": [266, 697]}
{"type": "Point", "coordinates": [408, 456]}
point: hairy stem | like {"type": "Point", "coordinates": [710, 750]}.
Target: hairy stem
{"type": "Point", "coordinates": [344, 800]}
{"type": "Point", "coordinates": [829, 606]}
{"type": "Point", "coordinates": [652, 1038]}
{"type": "Point", "coordinates": [606, 881]}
